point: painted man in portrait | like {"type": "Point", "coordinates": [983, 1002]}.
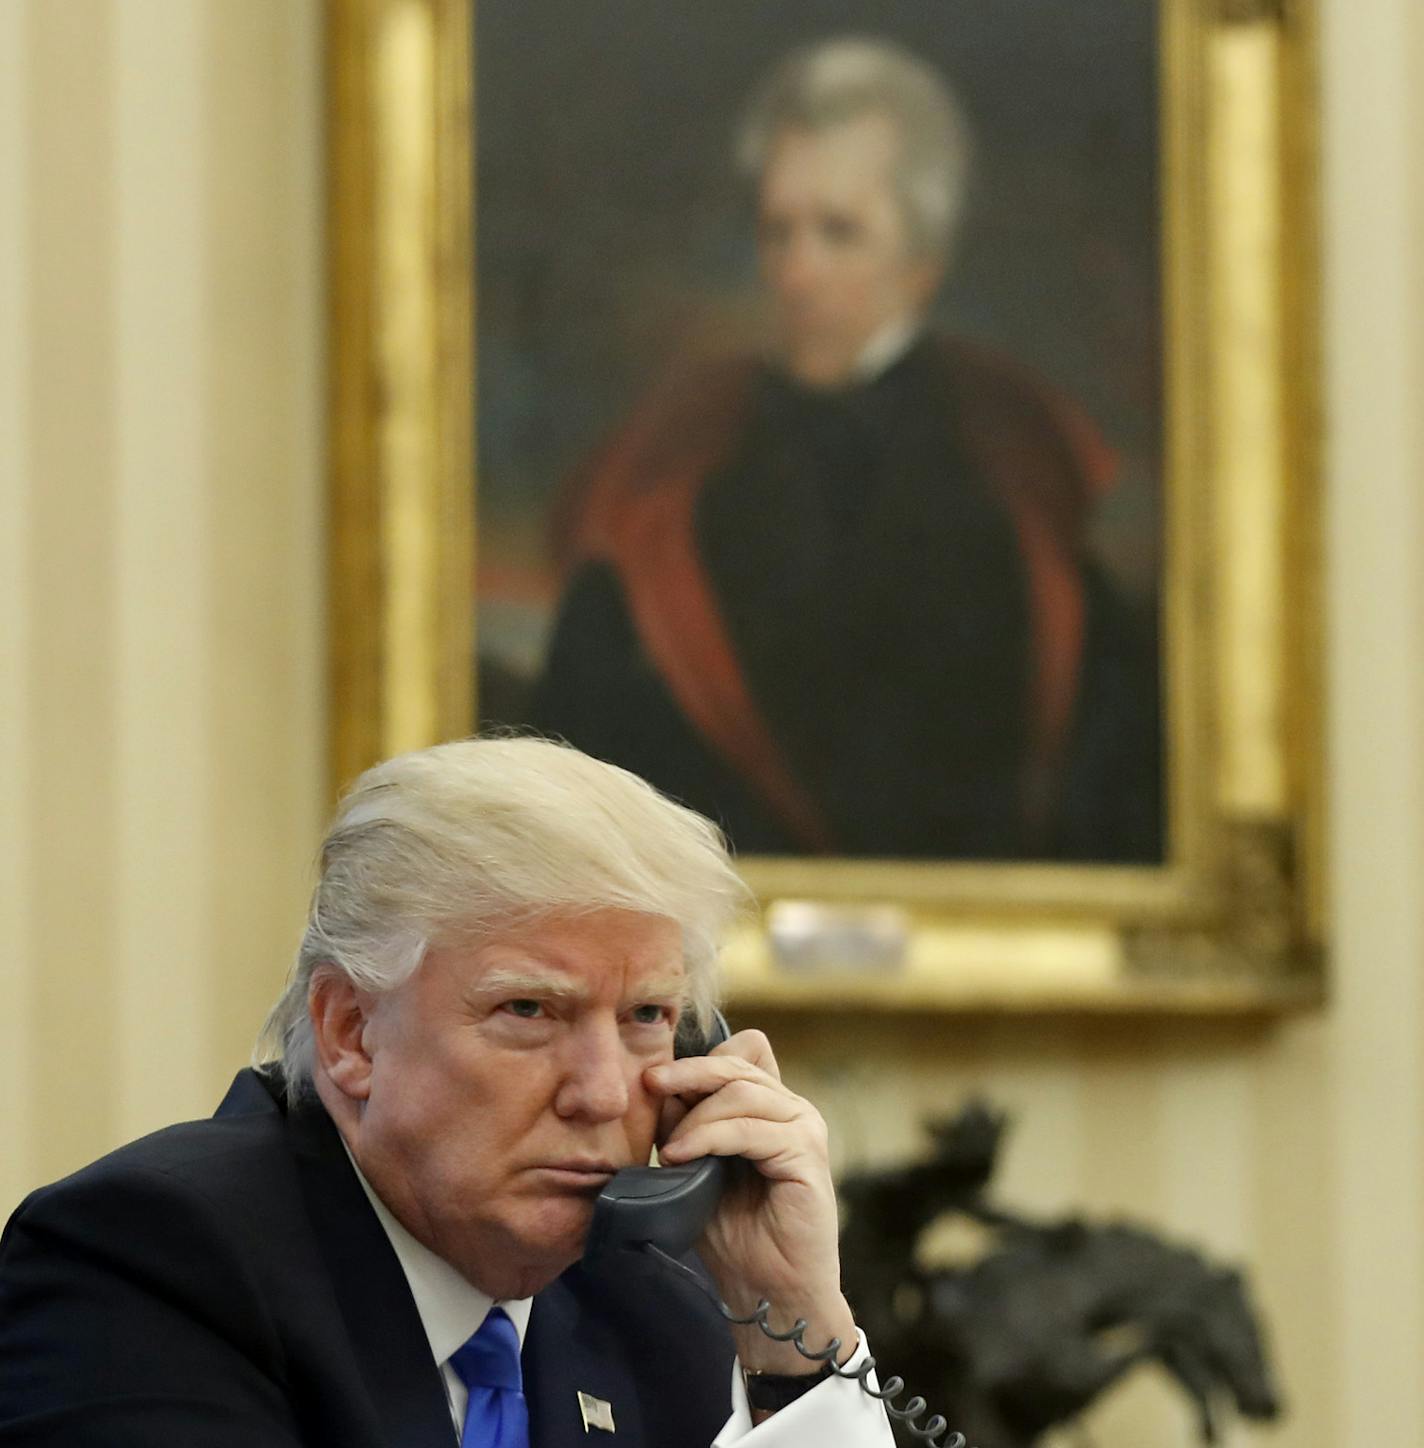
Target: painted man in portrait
{"type": "Point", "coordinates": [837, 595]}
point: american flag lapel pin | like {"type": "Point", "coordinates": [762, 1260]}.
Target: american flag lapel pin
{"type": "Point", "coordinates": [595, 1413]}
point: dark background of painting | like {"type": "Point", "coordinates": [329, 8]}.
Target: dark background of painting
{"type": "Point", "coordinates": [612, 237]}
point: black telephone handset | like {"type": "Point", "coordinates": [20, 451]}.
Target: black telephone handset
{"type": "Point", "coordinates": [663, 1210]}
{"type": "Point", "coordinates": [662, 1206]}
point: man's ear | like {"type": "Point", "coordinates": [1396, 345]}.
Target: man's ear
{"type": "Point", "coordinates": [339, 1012]}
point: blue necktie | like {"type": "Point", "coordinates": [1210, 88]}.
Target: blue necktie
{"type": "Point", "coordinates": [496, 1415]}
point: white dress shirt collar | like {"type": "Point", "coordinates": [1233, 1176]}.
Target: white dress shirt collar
{"type": "Point", "coordinates": [886, 348]}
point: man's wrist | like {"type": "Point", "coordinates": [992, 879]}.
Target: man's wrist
{"type": "Point", "coordinates": [759, 1353]}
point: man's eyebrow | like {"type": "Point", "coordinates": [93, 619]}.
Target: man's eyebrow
{"type": "Point", "coordinates": [515, 983]}
{"type": "Point", "coordinates": [673, 987]}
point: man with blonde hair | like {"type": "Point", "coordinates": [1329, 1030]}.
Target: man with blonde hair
{"type": "Point", "coordinates": [377, 1239]}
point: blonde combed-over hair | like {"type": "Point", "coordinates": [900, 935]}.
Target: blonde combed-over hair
{"type": "Point", "coordinates": [459, 840]}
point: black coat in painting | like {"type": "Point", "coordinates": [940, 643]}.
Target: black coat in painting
{"type": "Point", "coordinates": [861, 622]}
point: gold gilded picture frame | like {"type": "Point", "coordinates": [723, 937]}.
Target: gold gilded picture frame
{"type": "Point", "coordinates": [1233, 920]}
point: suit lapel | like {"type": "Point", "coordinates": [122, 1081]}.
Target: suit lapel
{"type": "Point", "coordinates": [566, 1352]}
{"type": "Point", "coordinates": [387, 1340]}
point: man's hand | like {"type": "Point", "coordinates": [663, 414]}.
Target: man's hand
{"type": "Point", "coordinates": [775, 1234]}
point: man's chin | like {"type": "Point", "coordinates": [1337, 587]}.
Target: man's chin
{"type": "Point", "coordinates": [532, 1251]}
{"type": "Point", "coordinates": [823, 369]}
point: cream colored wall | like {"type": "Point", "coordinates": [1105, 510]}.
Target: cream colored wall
{"type": "Point", "coordinates": [161, 697]}
{"type": "Point", "coordinates": [161, 632]}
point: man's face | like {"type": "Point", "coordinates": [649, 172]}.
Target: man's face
{"type": "Point", "coordinates": [506, 1086]}
{"type": "Point", "coordinates": [835, 249]}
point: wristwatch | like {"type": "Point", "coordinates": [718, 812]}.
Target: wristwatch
{"type": "Point", "coordinates": [773, 1391]}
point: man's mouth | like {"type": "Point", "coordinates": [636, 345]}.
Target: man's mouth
{"type": "Point", "coordinates": [576, 1175]}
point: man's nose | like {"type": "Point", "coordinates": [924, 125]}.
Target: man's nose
{"type": "Point", "coordinates": [596, 1075]}
{"type": "Point", "coordinates": [796, 267]}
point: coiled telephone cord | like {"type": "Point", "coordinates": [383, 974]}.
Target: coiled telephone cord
{"type": "Point", "coordinates": [927, 1432]}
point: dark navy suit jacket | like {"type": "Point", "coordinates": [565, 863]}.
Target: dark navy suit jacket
{"type": "Point", "coordinates": [226, 1283]}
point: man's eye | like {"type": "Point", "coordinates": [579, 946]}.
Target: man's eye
{"type": "Point", "coordinates": [527, 1009]}
{"type": "Point", "coordinates": [841, 230]}
{"type": "Point", "coordinates": [650, 1015]}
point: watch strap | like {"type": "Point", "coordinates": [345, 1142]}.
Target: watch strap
{"type": "Point", "coordinates": [769, 1392]}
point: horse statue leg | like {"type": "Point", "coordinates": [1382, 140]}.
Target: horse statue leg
{"type": "Point", "coordinates": [1192, 1371]}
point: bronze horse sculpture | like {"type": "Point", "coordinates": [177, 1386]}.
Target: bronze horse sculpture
{"type": "Point", "coordinates": [1051, 1315]}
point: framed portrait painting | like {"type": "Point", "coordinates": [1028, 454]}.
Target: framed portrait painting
{"type": "Point", "coordinates": [886, 428]}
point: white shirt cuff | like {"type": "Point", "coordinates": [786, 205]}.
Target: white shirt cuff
{"type": "Point", "coordinates": [837, 1413]}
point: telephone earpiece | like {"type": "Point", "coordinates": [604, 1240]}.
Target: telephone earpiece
{"type": "Point", "coordinates": [692, 1042]}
